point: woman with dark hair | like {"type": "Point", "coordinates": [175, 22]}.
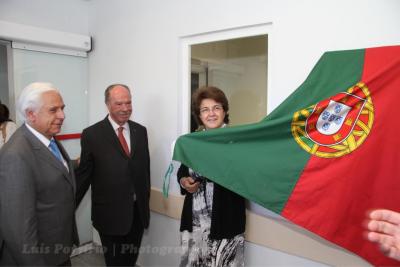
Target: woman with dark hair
{"type": "Point", "coordinates": [7, 126]}
{"type": "Point", "coordinates": [213, 218]}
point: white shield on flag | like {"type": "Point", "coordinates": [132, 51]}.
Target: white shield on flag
{"type": "Point", "coordinates": [331, 119]}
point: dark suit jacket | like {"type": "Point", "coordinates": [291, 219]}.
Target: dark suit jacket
{"type": "Point", "coordinates": [115, 177]}
{"type": "Point", "coordinates": [37, 203]}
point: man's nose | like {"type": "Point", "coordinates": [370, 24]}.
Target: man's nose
{"type": "Point", "coordinates": [126, 107]}
{"type": "Point", "coordinates": [60, 114]}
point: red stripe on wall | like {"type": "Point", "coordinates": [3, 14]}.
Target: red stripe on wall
{"type": "Point", "coordinates": [68, 136]}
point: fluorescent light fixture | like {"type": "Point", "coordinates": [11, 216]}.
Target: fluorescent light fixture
{"type": "Point", "coordinates": [29, 37]}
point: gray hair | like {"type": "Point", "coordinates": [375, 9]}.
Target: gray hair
{"type": "Point", "coordinates": [109, 88]}
{"type": "Point", "coordinates": [30, 98]}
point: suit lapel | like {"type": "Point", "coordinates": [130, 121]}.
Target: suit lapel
{"type": "Point", "coordinates": [70, 176]}
{"type": "Point", "coordinates": [44, 153]}
{"type": "Point", "coordinates": [132, 134]}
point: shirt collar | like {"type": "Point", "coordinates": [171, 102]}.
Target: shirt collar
{"type": "Point", "coordinates": [39, 136]}
{"type": "Point", "coordinates": [116, 125]}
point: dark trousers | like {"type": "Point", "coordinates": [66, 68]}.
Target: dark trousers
{"type": "Point", "coordinates": [124, 250]}
{"type": "Point", "coordinates": [66, 264]}
{"type": "Point", "coordinates": [1, 247]}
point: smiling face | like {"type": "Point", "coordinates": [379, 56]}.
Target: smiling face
{"type": "Point", "coordinates": [212, 113]}
{"type": "Point", "coordinates": [119, 104]}
{"type": "Point", "coordinates": [49, 118]}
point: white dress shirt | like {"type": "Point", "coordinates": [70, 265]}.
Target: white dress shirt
{"type": "Point", "coordinates": [126, 132]}
{"type": "Point", "coordinates": [45, 142]}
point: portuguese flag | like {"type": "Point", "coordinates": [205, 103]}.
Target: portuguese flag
{"type": "Point", "coordinates": [325, 156]}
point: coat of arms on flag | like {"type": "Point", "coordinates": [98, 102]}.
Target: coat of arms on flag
{"type": "Point", "coordinates": [335, 126]}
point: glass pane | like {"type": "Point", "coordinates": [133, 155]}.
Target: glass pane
{"type": "Point", "coordinates": [69, 74]}
{"type": "Point", "coordinates": [4, 91]}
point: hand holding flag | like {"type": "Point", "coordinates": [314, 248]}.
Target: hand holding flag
{"type": "Point", "coordinates": [189, 184]}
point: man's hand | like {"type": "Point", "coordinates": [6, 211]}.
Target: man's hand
{"type": "Point", "coordinates": [384, 229]}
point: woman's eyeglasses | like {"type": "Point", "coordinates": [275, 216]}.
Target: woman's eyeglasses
{"type": "Point", "coordinates": [207, 110]}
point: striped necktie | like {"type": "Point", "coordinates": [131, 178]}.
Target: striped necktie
{"type": "Point", "coordinates": [54, 149]}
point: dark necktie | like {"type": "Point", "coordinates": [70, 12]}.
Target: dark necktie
{"type": "Point", "coordinates": [54, 149]}
{"type": "Point", "coordinates": [123, 141]}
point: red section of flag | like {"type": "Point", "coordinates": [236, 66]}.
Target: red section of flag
{"type": "Point", "coordinates": [68, 136]}
{"type": "Point", "coordinates": [332, 196]}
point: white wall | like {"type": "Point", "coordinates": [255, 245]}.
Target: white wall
{"type": "Point", "coordinates": [61, 15]}
{"type": "Point", "coordinates": [137, 43]}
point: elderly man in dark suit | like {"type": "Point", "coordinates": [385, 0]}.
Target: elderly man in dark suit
{"type": "Point", "coordinates": [115, 161]}
{"type": "Point", "coordinates": [37, 185]}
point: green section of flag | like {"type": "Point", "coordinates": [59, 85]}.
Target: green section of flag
{"type": "Point", "coordinates": [262, 161]}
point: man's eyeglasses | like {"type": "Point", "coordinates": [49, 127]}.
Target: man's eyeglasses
{"type": "Point", "coordinates": [207, 110]}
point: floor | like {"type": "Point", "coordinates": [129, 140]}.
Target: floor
{"type": "Point", "coordinates": [89, 258]}
{"type": "Point", "coordinates": [92, 256]}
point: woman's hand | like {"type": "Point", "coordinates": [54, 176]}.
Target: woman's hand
{"type": "Point", "coordinates": [189, 184]}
